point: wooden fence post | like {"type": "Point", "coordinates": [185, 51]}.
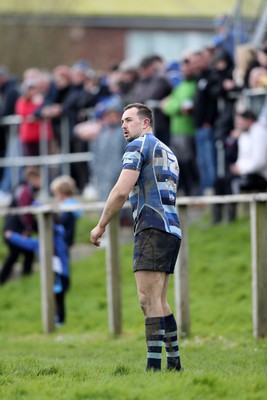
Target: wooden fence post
{"type": "Point", "coordinates": [181, 278]}
{"type": "Point", "coordinates": [113, 277]}
{"type": "Point", "coordinates": [47, 275]}
{"type": "Point", "coordinates": [259, 267]}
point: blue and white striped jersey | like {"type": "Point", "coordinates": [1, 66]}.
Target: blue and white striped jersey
{"type": "Point", "coordinates": [154, 194]}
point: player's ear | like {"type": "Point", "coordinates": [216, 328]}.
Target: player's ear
{"type": "Point", "coordinates": [146, 122]}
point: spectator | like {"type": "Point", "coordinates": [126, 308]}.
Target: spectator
{"type": "Point", "coordinates": [227, 35]}
{"type": "Point", "coordinates": [95, 89]}
{"type": "Point", "coordinates": [62, 83]}
{"type": "Point", "coordinates": [258, 78]}
{"type": "Point", "coordinates": [23, 195]}
{"type": "Point", "coordinates": [108, 145]}
{"type": "Point", "coordinates": [47, 89]}
{"type": "Point", "coordinates": [173, 73]}
{"type": "Point", "coordinates": [260, 61]}
{"type": "Point", "coordinates": [245, 60]}
{"type": "Point", "coordinates": [128, 77]}
{"type": "Point", "coordinates": [179, 107]}
{"type": "Point", "coordinates": [151, 87]}
{"type": "Point", "coordinates": [205, 112]}
{"type": "Point", "coordinates": [262, 57]}
{"type": "Point", "coordinates": [71, 109]}
{"type": "Point", "coordinates": [222, 88]}
{"type": "Point", "coordinates": [32, 130]}
{"type": "Point", "coordinates": [9, 93]}
{"type": "Point", "coordinates": [60, 264]}
{"type": "Point", "coordinates": [64, 190]}
{"type": "Point", "coordinates": [245, 161]}
{"type": "Point", "coordinates": [250, 169]}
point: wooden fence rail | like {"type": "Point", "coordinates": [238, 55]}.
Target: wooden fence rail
{"type": "Point", "coordinates": [258, 221]}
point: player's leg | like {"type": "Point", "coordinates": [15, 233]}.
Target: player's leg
{"type": "Point", "coordinates": [170, 336]}
{"type": "Point", "coordinates": [149, 287]}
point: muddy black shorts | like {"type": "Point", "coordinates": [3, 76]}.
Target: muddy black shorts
{"type": "Point", "coordinates": [155, 250]}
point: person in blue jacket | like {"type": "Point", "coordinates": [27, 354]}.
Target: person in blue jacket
{"type": "Point", "coordinates": [60, 264]}
{"type": "Point", "coordinates": [64, 189]}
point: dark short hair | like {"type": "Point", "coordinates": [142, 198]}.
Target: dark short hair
{"type": "Point", "coordinates": [143, 111]}
{"type": "Point", "coordinates": [263, 49]}
{"type": "Point", "coordinates": [247, 114]}
{"type": "Point", "coordinates": [147, 61]}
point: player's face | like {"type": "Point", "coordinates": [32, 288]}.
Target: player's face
{"type": "Point", "coordinates": [131, 124]}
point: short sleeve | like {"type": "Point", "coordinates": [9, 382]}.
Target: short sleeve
{"type": "Point", "coordinates": [133, 157]}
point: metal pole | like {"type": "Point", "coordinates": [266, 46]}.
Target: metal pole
{"type": "Point", "coordinates": [65, 142]}
{"type": "Point", "coordinates": [261, 27]}
{"type": "Point", "coordinates": [47, 275]}
{"type": "Point", "coordinates": [114, 277]}
{"type": "Point", "coordinates": [43, 145]}
{"type": "Point", "coordinates": [181, 279]}
{"type": "Point", "coordinates": [259, 267]}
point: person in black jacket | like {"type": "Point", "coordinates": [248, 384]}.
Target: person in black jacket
{"type": "Point", "coordinates": [69, 108]}
{"type": "Point", "coordinates": [23, 195]}
{"type": "Point", "coordinates": [205, 111]}
{"type": "Point", "coordinates": [223, 88]}
{"type": "Point", "coordinates": [9, 93]}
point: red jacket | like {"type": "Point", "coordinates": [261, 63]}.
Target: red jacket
{"type": "Point", "coordinates": [30, 131]}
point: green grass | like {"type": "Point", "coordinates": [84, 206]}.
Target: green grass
{"type": "Point", "coordinates": [81, 360]}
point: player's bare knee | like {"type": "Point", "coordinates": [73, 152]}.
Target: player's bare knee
{"type": "Point", "coordinates": [144, 302]}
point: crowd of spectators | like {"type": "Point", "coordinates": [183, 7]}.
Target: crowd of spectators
{"type": "Point", "coordinates": [196, 101]}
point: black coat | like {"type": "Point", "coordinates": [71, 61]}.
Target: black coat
{"type": "Point", "coordinates": [205, 102]}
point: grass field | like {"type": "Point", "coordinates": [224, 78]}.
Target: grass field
{"type": "Point", "coordinates": [221, 359]}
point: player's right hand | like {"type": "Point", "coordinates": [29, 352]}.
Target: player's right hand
{"type": "Point", "coordinates": [96, 234]}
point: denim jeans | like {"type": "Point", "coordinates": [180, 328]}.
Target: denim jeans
{"type": "Point", "coordinates": [205, 150]}
{"type": "Point", "coordinates": [11, 175]}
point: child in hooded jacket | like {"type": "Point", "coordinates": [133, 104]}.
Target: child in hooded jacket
{"type": "Point", "coordinates": [60, 264]}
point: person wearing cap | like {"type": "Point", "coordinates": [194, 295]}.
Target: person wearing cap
{"type": "Point", "coordinates": [179, 107]}
{"type": "Point", "coordinates": [107, 144]}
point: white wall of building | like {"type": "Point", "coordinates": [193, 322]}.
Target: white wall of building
{"type": "Point", "coordinates": [169, 45]}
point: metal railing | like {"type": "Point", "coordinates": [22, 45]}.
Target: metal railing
{"type": "Point", "coordinates": [14, 160]}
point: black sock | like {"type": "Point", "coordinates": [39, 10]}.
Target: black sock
{"type": "Point", "coordinates": [171, 343]}
{"type": "Point", "coordinates": [154, 339]}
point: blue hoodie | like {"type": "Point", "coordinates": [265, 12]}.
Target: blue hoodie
{"type": "Point", "coordinates": [60, 259]}
{"type": "Point", "coordinates": [68, 220]}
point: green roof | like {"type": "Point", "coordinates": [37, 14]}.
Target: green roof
{"type": "Point", "coordinates": [120, 8]}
